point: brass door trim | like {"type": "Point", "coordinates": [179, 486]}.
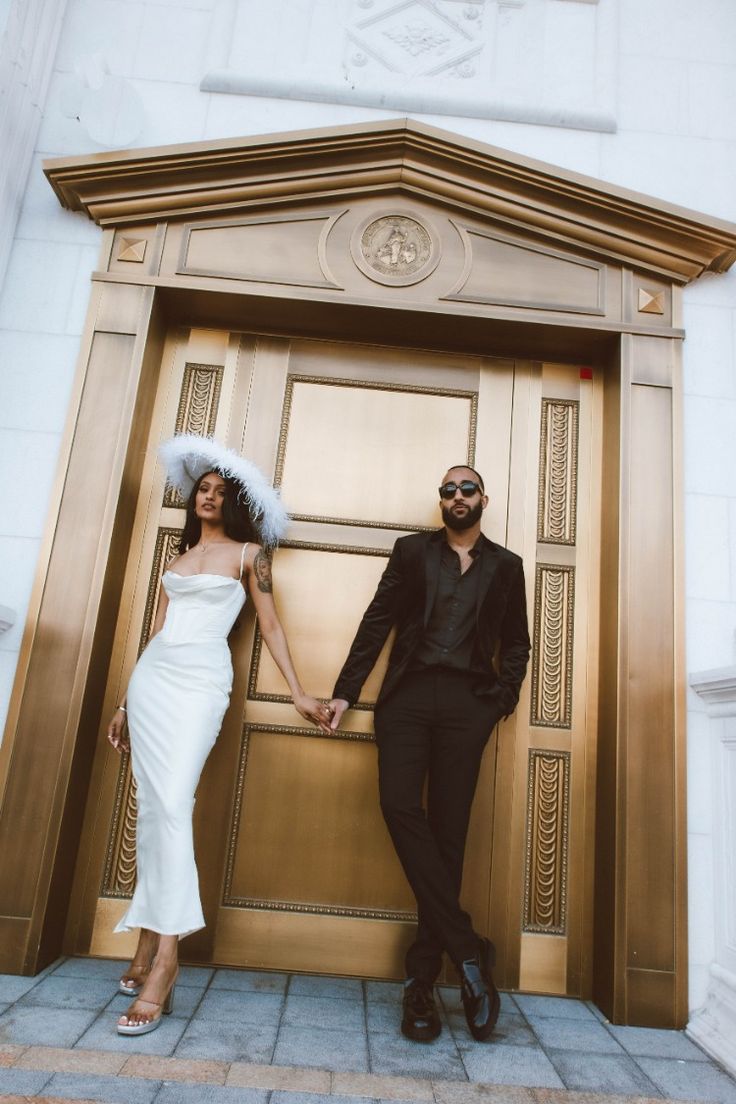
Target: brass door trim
{"type": "Point", "coordinates": [394, 388]}
{"type": "Point", "coordinates": [553, 641]}
{"type": "Point", "coordinates": [230, 900]}
{"type": "Point", "coordinates": [326, 216]}
{"type": "Point", "coordinates": [409, 157]}
{"type": "Point", "coordinates": [197, 411]}
{"type": "Point", "coordinates": [283, 699]}
{"type": "Point", "coordinates": [558, 473]}
{"type": "Point", "coordinates": [547, 832]}
{"type": "Point", "coordinates": [456, 296]}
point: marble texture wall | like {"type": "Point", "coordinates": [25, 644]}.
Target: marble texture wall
{"type": "Point", "coordinates": [648, 101]}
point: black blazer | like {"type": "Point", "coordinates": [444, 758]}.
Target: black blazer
{"type": "Point", "coordinates": [405, 597]}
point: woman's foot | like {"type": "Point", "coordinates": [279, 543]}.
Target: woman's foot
{"type": "Point", "coordinates": [155, 999]}
{"type": "Point", "coordinates": [136, 974]}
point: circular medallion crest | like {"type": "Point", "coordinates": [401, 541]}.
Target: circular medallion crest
{"type": "Point", "coordinates": [395, 249]}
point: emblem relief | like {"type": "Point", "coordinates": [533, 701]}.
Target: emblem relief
{"type": "Point", "coordinates": [395, 249]}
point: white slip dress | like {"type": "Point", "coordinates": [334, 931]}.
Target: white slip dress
{"type": "Point", "coordinates": [177, 697]}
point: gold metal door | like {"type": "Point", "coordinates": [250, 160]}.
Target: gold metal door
{"type": "Point", "coordinates": [297, 870]}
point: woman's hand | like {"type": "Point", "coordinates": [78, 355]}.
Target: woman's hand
{"type": "Point", "coordinates": [315, 711]}
{"type": "Point", "coordinates": [117, 732]}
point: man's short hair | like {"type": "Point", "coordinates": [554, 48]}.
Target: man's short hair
{"type": "Point", "coordinates": [477, 474]}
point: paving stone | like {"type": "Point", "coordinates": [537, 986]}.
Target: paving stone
{"type": "Point", "coordinates": [450, 1092]}
{"type": "Point", "coordinates": [511, 1030]}
{"type": "Point", "coordinates": [386, 1018]}
{"type": "Point", "coordinates": [186, 1001]}
{"type": "Point", "coordinates": [281, 1097]}
{"type": "Point", "coordinates": [10, 1054]}
{"type": "Point", "coordinates": [323, 1012]}
{"type": "Point", "coordinates": [209, 1094]}
{"type": "Point", "coordinates": [92, 967]}
{"type": "Point", "coordinates": [62, 1060]}
{"type": "Point", "coordinates": [191, 1070]}
{"type": "Point", "coordinates": [599, 1015]}
{"type": "Point", "coordinates": [554, 1096]}
{"type": "Point", "coordinates": [650, 1042]}
{"type": "Point", "coordinates": [452, 1001]}
{"type": "Point", "coordinates": [72, 1086]}
{"type": "Point", "coordinates": [240, 1007]}
{"type": "Point", "coordinates": [12, 987]}
{"type": "Point", "coordinates": [510, 1065]}
{"type": "Point", "coordinates": [227, 1041]}
{"type": "Point", "coordinates": [258, 981]}
{"type": "Point", "coordinates": [601, 1072]}
{"type": "Point", "coordinates": [305, 985]}
{"type": "Point", "coordinates": [396, 1055]}
{"type": "Point", "coordinates": [69, 992]}
{"type": "Point", "coordinates": [22, 1081]}
{"type": "Point", "coordinates": [333, 1050]}
{"type": "Point", "coordinates": [692, 1080]}
{"type": "Point", "coordinates": [103, 1035]}
{"type": "Point", "coordinates": [558, 1008]}
{"type": "Point", "coordinates": [249, 1075]}
{"type": "Point", "coordinates": [586, 1037]}
{"type": "Point", "coordinates": [384, 992]}
{"type": "Point", "coordinates": [382, 1086]}
{"type": "Point", "coordinates": [199, 977]}
{"type": "Point", "coordinates": [49, 1026]}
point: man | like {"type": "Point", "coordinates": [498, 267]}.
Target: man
{"type": "Point", "coordinates": [454, 597]}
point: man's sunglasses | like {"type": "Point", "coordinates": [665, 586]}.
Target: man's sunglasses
{"type": "Point", "coordinates": [466, 487]}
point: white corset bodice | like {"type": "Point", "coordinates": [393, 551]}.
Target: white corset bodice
{"type": "Point", "coordinates": [201, 607]}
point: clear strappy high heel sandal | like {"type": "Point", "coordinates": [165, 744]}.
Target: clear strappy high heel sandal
{"type": "Point", "coordinates": [157, 1011]}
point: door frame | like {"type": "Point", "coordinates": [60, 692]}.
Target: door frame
{"type": "Point", "coordinates": [648, 250]}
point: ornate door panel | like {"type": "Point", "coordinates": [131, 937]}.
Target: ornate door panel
{"type": "Point", "coordinates": [297, 870]}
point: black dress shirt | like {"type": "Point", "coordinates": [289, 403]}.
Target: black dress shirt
{"type": "Point", "coordinates": [449, 638]}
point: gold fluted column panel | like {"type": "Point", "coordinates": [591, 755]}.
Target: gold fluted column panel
{"type": "Point", "coordinates": [54, 714]}
{"type": "Point", "coordinates": [641, 854]}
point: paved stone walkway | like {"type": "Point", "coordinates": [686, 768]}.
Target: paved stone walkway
{"type": "Point", "coordinates": [247, 1037]}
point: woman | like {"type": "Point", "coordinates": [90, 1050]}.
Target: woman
{"type": "Point", "coordinates": [179, 691]}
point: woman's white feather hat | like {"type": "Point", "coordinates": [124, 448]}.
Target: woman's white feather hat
{"type": "Point", "coordinates": [187, 457]}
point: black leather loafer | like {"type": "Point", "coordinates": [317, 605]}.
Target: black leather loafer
{"type": "Point", "coordinates": [420, 1021]}
{"type": "Point", "coordinates": [481, 1000]}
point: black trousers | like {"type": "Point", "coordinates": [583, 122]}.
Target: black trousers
{"type": "Point", "coordinates": [434, 728]}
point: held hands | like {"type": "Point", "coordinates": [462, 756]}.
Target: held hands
{"type": "Point", "coordinates": [117, 732]}
{"type": "Point", "coordinates": [315, 711]}
{"type": "Point", "coordinates": [337, 707]}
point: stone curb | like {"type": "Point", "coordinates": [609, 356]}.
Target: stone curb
{"type": "Point", "coordinates": [297, 1079]}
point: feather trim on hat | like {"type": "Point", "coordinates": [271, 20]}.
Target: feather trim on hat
{"type": "Point", "coordinates": [187, 457]}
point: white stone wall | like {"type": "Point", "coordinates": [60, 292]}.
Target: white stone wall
{"type": "Point", "coordinates": [656, 77]}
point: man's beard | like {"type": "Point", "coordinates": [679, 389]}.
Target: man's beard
{"type": "Point", "coordinates": [462, 521]}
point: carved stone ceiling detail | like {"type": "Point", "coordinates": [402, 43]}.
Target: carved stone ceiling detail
{"type": "Point", "coordinates": [415, 38]}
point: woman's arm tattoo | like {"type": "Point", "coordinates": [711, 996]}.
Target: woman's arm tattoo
{"type": "Point", "coordinates": [262, 569]}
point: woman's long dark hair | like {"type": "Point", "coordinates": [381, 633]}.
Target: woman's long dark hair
{"type": "Point", "coordinates": [239, 524]}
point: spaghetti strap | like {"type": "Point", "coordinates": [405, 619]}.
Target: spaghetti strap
{"type": "Point", "coordinates": [242, 561]}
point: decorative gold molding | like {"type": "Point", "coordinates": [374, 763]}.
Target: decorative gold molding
{"type": "Point", "coordinates": [118, 879]}
{"type": "Point", "coordinates": [164, 550]}
{"type": "Point", "coordinates": [330, 381]}
{"type": "Point", "coordinates": [132, 249]}
{"type": "Point", "coordinates": [558, 472]}
{"type": "Point", "coordinates": [650, 302]}
{"type": "Point", "coordinates": [231, 900]}
{"type": "Point", "coordinates": [413, 159]}
{"type": "Point", "coordinates": [197, 411]}
{"type": "Point", "coordinates": [545, 874]}
{"type": "Point", "coordinates": [554, 606]}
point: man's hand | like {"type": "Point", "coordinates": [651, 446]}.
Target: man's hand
{"type": "Point", "coordinates": [338, 707]}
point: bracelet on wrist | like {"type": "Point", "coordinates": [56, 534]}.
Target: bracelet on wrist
{"type": "Point", "coordinates": [122, 708]}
